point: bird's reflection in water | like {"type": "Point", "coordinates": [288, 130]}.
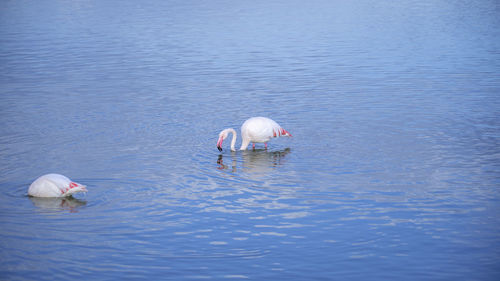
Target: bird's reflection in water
{"type": "Point", "coordinates": [254, 161]}
{"type": "Point", "coordinates": [70, 203]}
{"type": "Point", "coordinates": [222, 166]}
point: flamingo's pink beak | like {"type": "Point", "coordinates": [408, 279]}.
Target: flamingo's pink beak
{"type": "Point", "coordinates": [219, 143]}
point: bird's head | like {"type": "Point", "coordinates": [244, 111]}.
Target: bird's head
{"type": "Point", "coordinates": [222, 136]}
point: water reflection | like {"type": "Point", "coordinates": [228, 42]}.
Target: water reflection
{"type": "Point", "coordinates": [254, 161]}
{"type": "Point", "coordinates": [70, 203]}
{"type": "Point", "coordinates": [222, 166]}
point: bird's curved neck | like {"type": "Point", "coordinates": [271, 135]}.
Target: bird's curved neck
{"type": "Point", "coordinates": [233, 141]}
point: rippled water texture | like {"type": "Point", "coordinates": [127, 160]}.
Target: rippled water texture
{"type": "Point", "coordinates": [392, 172]}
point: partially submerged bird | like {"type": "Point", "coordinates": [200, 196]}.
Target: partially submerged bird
{"type": "Point", "coordinates": [254, 130]}
{"type": "Point", "coordinates": [54, 185]}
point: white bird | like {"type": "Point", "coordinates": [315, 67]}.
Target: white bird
{"type": "Point", "coordinates": [255, 129]}
{"type": "Point", "coordinates": [54, 185]}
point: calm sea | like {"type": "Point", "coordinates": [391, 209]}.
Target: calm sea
{"type": "Point", "coordinates": [393, 171]}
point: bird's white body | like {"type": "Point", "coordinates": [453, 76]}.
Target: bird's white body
{"type": "Point", "coordinates": [54, 185]}
{"type": "Point", "coordinates": [255, 130]}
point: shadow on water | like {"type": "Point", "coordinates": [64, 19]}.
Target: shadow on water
{"type": "Point", "coordinates": [70, 203]}
{"type": "Point", "coordinates": [253, 161]}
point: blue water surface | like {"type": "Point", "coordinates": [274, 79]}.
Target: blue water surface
{"type": "Point", "coordinates": [393, 171]}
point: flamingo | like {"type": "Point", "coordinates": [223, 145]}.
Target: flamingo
{"type": "Point", "coordinates": [255, 129]}
{"type": "Point", "coordinates": [54, 185]}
